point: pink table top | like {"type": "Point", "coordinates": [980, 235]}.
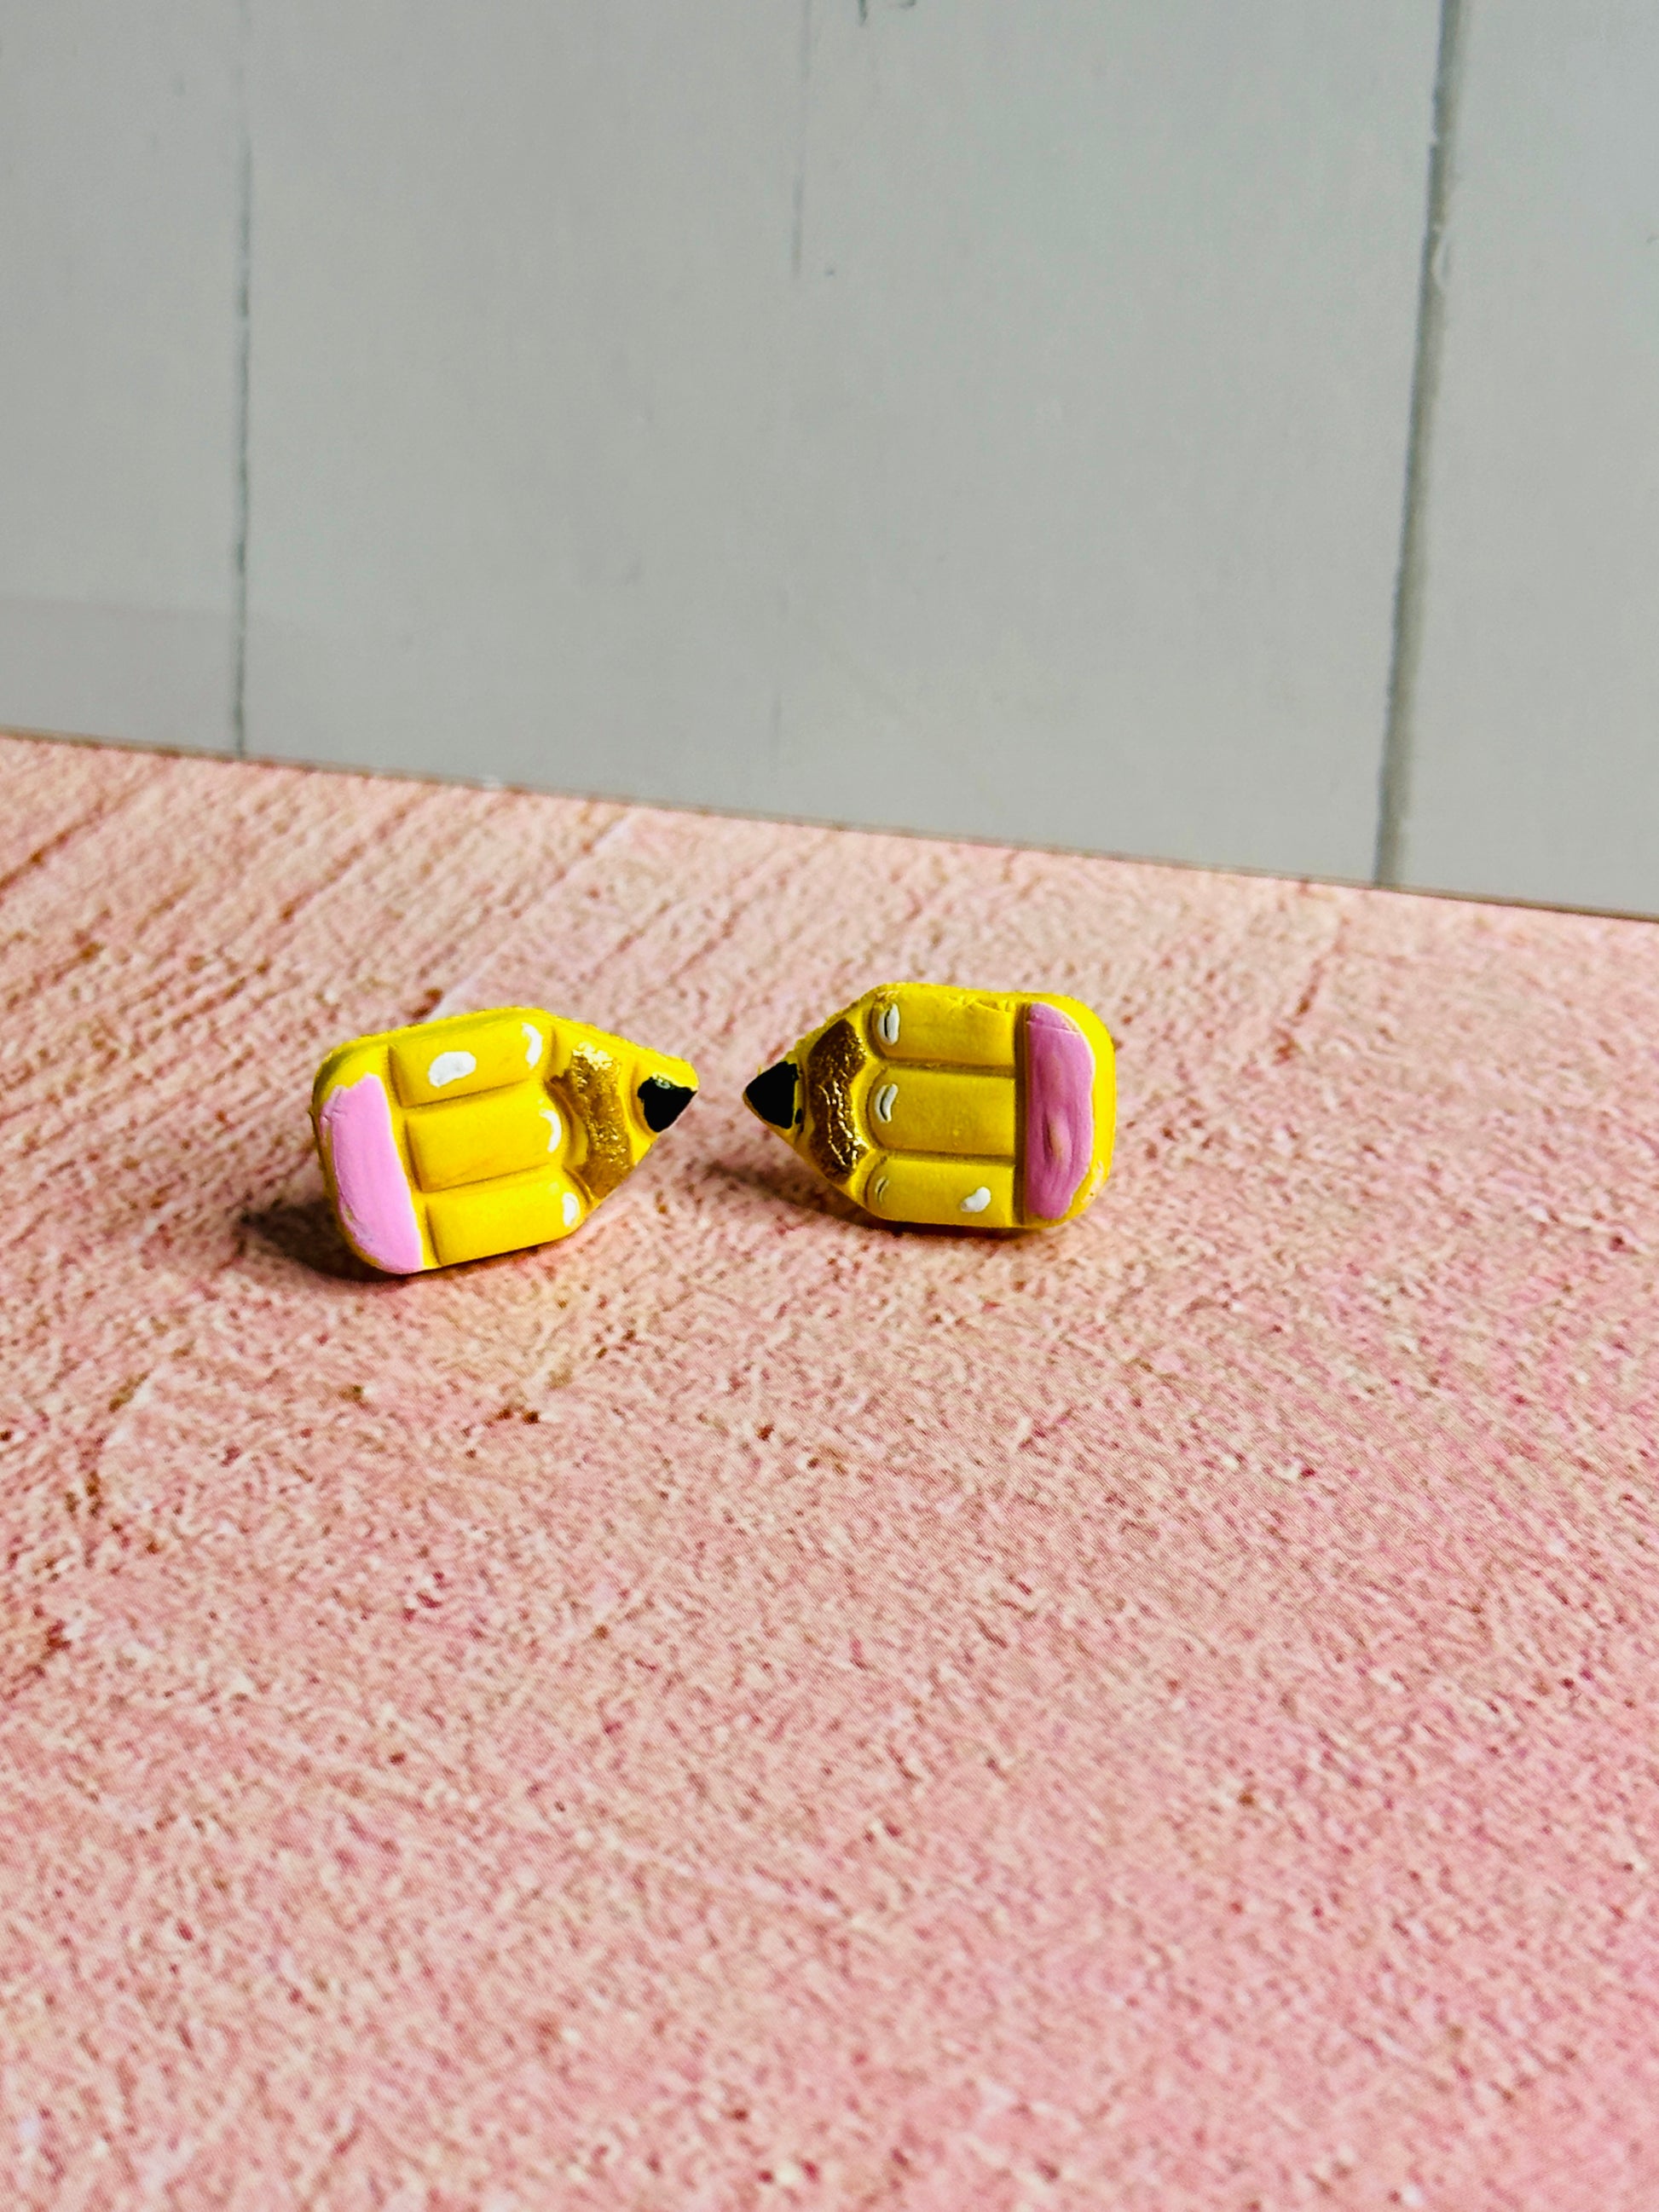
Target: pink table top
{"type": "Point", "coordinates": [748, 1709]}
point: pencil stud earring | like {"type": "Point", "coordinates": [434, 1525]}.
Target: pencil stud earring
{"type": "Point", "coordinates": [481, 1134]}
{"type": "Point", "coordinates": [924, 1103]}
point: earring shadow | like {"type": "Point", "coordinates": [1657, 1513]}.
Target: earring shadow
{"type": "Point", "coordinates": [783, 1182]}
{"type": "Point", "coordinates": [307, 1235]}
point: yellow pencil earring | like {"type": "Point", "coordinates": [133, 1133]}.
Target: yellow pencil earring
{"type": "Point", "coordinates": [924, 1103]}
{"type": "Point", "coordinates": [480, 1134]}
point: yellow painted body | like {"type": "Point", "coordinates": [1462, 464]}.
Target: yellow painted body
{"type": "Point", "coordinates": [480, 1134]}
{"type": "Point", "coordinates": [915, 1102]}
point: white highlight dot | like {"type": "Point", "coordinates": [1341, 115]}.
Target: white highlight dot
{"type": "Point", "coordinates": [532, 1043]}
{"type": "Point", "coordinates": [886, 1099]}
{"type": "Point", "coordinates": [571, 1206]}
{"type": "Point", "coordinates": [450, 1068]}
{"type": "Point", "coordinates": [977, 1200]}
{"type": "Point", "coordinates": [555, 1129]}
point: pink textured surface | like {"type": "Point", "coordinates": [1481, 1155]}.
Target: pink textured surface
{"type": "Point", "coordinates": [749, 1709]}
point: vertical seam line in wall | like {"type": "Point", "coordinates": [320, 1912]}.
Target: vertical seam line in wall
{"type": "Point", "coordinates": [798, 196]}
{"type": "Point", "coordinates": [244, 363]}
{"type": "Point", "coordinates": [797, 250]}
{"type": "Point", "coordinates": [1406, 642]}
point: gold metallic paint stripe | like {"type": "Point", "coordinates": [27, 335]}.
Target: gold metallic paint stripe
{"type": "Point", "coordinates": [836, 1144]}
{"type": "Point", "coordinates": [596, 1090]}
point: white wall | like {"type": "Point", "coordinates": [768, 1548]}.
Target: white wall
{"type": "Point", "coordinates": [1535, 768]}
{"type": "Point", "coordinates": [949, 414]}
{"type": "Point", "coordinates": [119, 383]}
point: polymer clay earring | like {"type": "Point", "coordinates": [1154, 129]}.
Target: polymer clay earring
{"type": "Point", "coordinates": [924, 1103]}
{"type": "Point", "coordinates": [480, 1134]}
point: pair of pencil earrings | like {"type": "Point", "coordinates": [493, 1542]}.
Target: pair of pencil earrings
{"type": "Point", "coordinates": [481, 1134]}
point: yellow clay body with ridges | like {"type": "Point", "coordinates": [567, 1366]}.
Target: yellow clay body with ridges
{"type": "Point", "coordinates": [481, 1134]}
{"type": "Point", "coordinates": [927, 1103]}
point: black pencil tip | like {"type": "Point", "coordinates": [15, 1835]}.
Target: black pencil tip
{"type": "Point", "coordinates": [662, 1102]}
{"type": "Point", "coordinates": [772, 1094]}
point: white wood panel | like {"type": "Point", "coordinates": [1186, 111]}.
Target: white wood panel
{"type": "Point", "coordinates": [1535, 767]}
{"type": "Point", "coordinates": [968, 417]}
{"type": "Point", "coordinates": [1100, 406]}
{"type": "Point", "coordinates": [119, 378]}
{"type": "Point", "coordinates": [520, 277]}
